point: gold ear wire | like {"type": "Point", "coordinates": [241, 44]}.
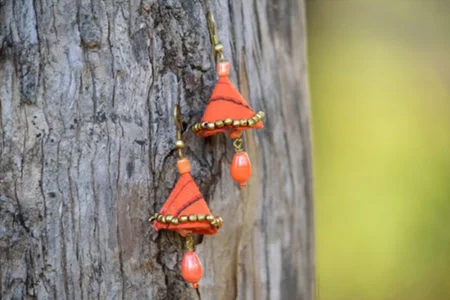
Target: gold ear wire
{"type": "Point", "coordinates": [179, 125]}
{"type": "Point", "coordinates": [217, 46]}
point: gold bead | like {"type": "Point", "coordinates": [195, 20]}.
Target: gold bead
{"type": "Point", "coordinates": [211, 126]}
{"type": "Point", "coordinates": [152, 218]}
{"type": "Point", "coordinates": [200, 217]}
{"type": "Point", "coordinates": [169, 218]}
{"type": "Point", "coordinates": [209, 218]}
{"type": "Point", "coordinates": [228, 122]}
{"type": "Point", "coordinates": [236, 123]}
{"type": "Point", "coordinates": [163, 219]}
{"type": "Point", "coordinates": [244, 122]}
{"type": "Point", "coordinates": [261, 114]}
{"type": "Point", "coordinates": [195, 127]}
{"type": "Point", "coordinates": [218, 47]}
{"type": "Point", "coordinates": [183, 219]}
{"type": "Point", "coordinates": [179, 144]}
{"type": "Point", "coordinates": [219, 124]}
{"type": "Point", "coordinates": [192, 218]}
{"type": "Point", "coordinates": [159, 218]}
{"type": "Point", "coordinates": [174, 221]}
{"type": "Point", "coordinates": [256, 118]}
{"type": "Point", "coordinates": [251, 123]}
{"type": "Point", "coordinates": [219, 221]}
{"type": "Point", "coordinates": [205, 125]}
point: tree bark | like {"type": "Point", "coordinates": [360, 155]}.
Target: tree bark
{"type": "Point", "coordinates": [87, 90]}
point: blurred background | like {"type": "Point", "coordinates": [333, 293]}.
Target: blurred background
{"type": "Point", "coordinates": [380, 99]}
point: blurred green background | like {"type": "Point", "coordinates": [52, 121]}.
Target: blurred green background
{"type": "Point", "coordinates": [380, 99]}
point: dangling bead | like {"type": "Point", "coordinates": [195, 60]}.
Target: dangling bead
{"type": "Point", "coordinates": [223, 69]}
{"type": "Point", "coordinates": [183, 166]}
{"type": "Point", "coordinates": [241, 168]}
{"type": "Point", "coordinates": [191, 268]}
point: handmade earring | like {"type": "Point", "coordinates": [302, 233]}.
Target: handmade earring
{"type": "Point", "coordinates": [227, 111]}
{"type": "Point", "coordinates": [186, 212]}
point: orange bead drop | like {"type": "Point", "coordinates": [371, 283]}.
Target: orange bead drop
{"type": "Point", "coordinates": [241, 168]}
{"type": "Point", "coordinates": [191, 268]}
{"type": "Point", "coordinates": [223, 69]}
{"type": "Point", "coordinates": [183, 166]}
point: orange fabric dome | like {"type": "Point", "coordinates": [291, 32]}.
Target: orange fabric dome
{"type": "Point", "coordinates": [184, 200]}
{"type": "Point", "coordinates": [227, 103]}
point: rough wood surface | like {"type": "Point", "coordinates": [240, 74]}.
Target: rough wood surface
{"type": "Point", "coordinates": [87, 89]}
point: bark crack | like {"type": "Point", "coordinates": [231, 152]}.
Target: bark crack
{"type": "Point", "coordinates": [97, 268]}
{"type": "Point", "coordinates": [63, 208]}
{"type": "Point", "coordinates": [119, 240]}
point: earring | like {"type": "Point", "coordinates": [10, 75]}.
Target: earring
{"type": "Point", "coordinates": [227, 111]}
{"type": "Point", "coordinates": [186, 212]}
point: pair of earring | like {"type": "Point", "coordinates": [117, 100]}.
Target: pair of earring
{"type": "Point", "coordinates": [186, 211]}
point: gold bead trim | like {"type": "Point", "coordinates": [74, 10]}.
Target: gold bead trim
{"type": "Point", "coordinates": [168, 219]}
{"type": "Point", "coordinates": [229, 123]}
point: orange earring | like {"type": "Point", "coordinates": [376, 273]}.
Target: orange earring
{"type": "Point", "coordinates": [186, 212]}
{"type": "Point", "coordinates": [228, 112]}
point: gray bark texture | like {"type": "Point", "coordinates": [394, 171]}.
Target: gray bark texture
{"type": "Point", "coordinates": [87, 90]}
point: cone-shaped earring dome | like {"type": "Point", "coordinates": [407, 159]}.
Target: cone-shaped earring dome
{"type": "Point", "coordinates": [186, 211]}
{"type": "Point", "coordinates": [227, 110]}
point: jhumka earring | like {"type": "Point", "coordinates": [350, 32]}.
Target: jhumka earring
{"type": "Point", "coordinates": [186, 212]}
{"type": "Point", "coordinates": [227, 111]}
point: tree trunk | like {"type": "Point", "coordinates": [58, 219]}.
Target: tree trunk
{"type": "Point", "coordinates": [87, 90]}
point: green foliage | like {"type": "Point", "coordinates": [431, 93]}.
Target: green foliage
{"type": "Point", "coordinates": [379, 77]}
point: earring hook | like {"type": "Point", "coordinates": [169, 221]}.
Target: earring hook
{"type": "Point", "coordinates": [217, 46]}
{"type": "Point", "coordinates": [179, 125]}
{"type": "Point", "coordinates": [178, 120]}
